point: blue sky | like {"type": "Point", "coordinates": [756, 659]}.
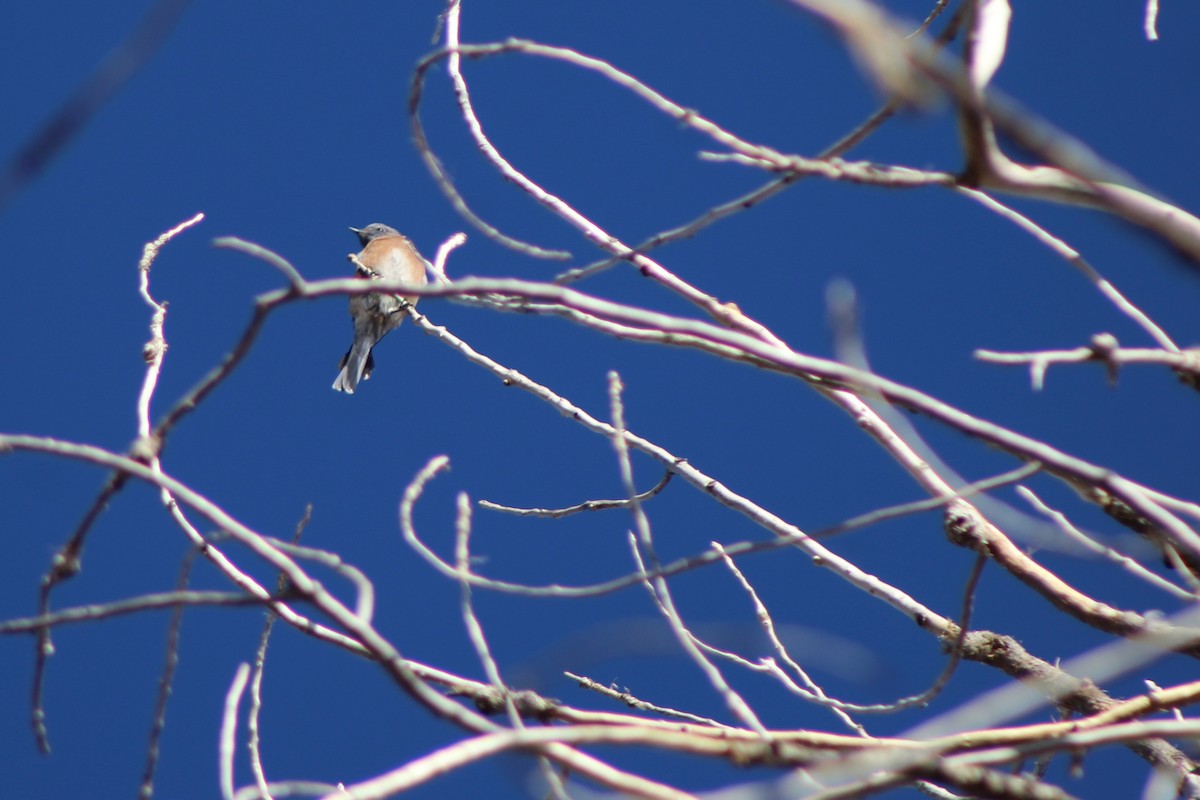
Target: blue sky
{"type": "Point", "coordinates": [285, 123]}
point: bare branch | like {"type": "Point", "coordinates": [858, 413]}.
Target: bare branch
{"type": "Point", "coordinates": [587, 505]}
{"type": "Point", "coordinates": [233, 699]}
{"type": "Point", "coordinates": [118, 67]}
{"type": "Point", "coordinates": [642, 705]}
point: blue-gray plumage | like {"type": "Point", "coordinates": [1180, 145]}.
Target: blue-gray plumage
{"type": "Point", "coordinates": [386, 255]}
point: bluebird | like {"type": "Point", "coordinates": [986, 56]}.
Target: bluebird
{"type": "Point", "coordinates": [386, 255]}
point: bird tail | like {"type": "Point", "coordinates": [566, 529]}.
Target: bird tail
{"type": "Point", "coordinates": [356, 365]}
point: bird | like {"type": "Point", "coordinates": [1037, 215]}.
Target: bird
{"type": "Point", "coordinates": [386, 255]}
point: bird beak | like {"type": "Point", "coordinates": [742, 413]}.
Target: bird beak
{"type": "Point", "coordinates": [356, 230]}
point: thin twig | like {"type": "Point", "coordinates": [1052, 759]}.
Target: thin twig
{"type": "Point", "coordinates": [757, 196]}
{"type": "Point", "coordinates": [1150, 25]}
{"type": "Point", "coordinates": [67, 560]}
{"type": "Point", "coordinates": [165, 681]}
{"type": "Point", "coordinates": [642, 542]}
{"type": "Point", "coordinates": [587, 505]}
{"type": "Point", "coordinates": [642, 705]}
{"type": "Point", "coordinates": [119, 66]}
{"type": "Point", "coordinates": [131, 605]}
{"type": "Point", "coordinates": [768, 625]}
{"type": "Point", "coordinates": [1124, 562]}
{"type": "Point", "coordinates": [1073, 257]}
{"type": "Point", "coordinates": [228, 740]}
{"type": "Point", "coordinates": [483, 651]}
{"type": "Point", "coordinates": [253, 743]}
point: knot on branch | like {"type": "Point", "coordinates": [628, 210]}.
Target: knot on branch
{"type": "Point", "coordinates": [529, 704]}
{"type": "Point", "coordinates": [1104, 347]}
{"type": "Point", "coordinates": [962, 527]}
{"type": "Point", "coordinates": [145, 448]}
{"type": "Point", "coordinates": [1189, 370]}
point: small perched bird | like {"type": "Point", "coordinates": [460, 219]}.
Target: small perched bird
{"type": "Point", "coordinates": [386, 255]}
